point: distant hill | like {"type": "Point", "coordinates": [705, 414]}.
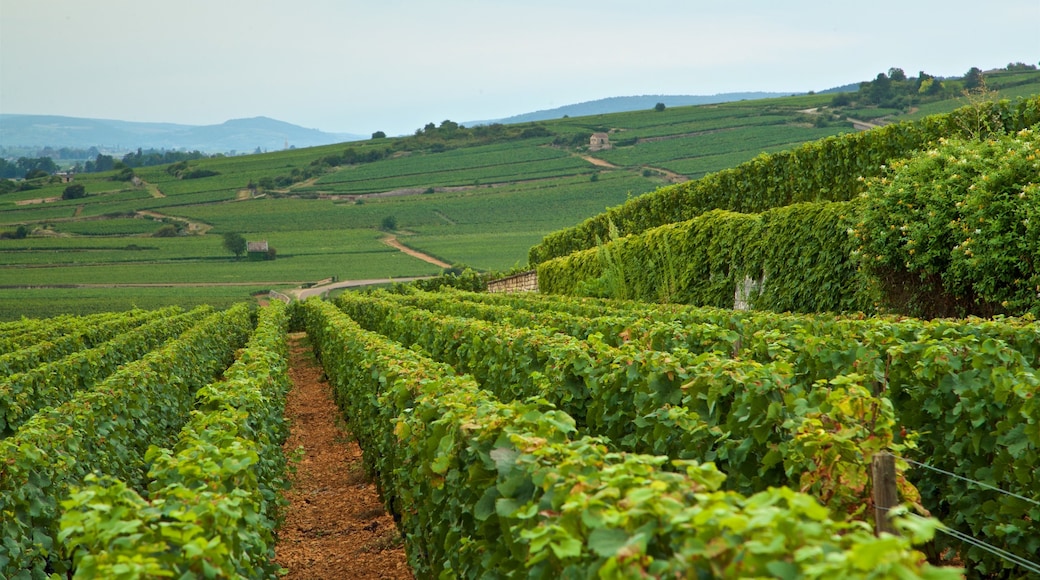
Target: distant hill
{"type": "Point", "coordinates": [625, 104]}
{"type": "Point", "coordinates": [242, 135]}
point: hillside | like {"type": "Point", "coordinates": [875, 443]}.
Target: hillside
{"type": "Point", "coordinates": [625, 104]}
{"type": "Point", "coordinates": [235, 135]}
{"type": "Point", "coordinates": [478, 197]}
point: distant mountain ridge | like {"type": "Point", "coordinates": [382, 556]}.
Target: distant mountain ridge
{"type": "Point", "coordinates": [241, 135]}
{"type": "Point", "coordinates": [624, 104]}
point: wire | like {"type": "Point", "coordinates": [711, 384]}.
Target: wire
{"type": "Point", "coordinates": [978, 483]}
{"type": "Point", "coordinates": [1004, 554]}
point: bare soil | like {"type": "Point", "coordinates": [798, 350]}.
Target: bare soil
{"type": "Point", "coordinates": [391, 240]}
{"type": "Point", "coordinates": [335, 525]}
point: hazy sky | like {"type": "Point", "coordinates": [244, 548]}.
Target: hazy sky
{"type": "Point", "coordinates": [395, 65]}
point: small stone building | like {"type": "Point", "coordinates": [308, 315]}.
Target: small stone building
{"type": "Point", "coordinates": [258, 250]}
{"type": "Point", "coordinates": [599, 141]}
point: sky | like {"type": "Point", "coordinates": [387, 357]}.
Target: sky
{"type": "Point", "coordinates": [358, 67]}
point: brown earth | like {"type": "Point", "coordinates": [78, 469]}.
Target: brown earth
{"type": "Point", "coordinates": [391, 240]}
{"type": "Point", "coordinates": [335, 526]}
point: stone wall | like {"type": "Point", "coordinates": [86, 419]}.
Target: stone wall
{"type": "Point", "coordinates": [522, 282]}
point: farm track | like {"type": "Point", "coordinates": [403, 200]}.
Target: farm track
{"type": "Point", "coordinates": [193, 227]}
{"type": "Point", "coordinates": [335, 526]}
{"type": "Point", "coordinates": [392, 241]}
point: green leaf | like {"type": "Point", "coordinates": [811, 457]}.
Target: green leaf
{"type": "Point", "coordinates": [607, 541]}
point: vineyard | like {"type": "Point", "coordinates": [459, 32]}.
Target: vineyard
{"type": "Point", "coordinates": [536, 435]}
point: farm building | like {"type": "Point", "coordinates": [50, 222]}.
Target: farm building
{"type": "Point", "coordinates": [258, 251]}
{"type": "Point", "coordinates": [599, 141]}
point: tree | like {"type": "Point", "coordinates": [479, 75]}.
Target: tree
{"type": "Point", "coordinates": [389, 224]}
{"type": "Point", "coordinates": [973, 79]}
{"type": "Point", "coordinates": [235, 243]}
{"type": "Point", "coordinates": [896, 74]}
{"type": "Point", "coordinates": [659, 107]}
{"type": "Point", "coordinates": [74, 191]}
{"type": "Point", "coordinates": [379, 135]}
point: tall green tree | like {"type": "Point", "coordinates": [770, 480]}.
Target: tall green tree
{"type": "Point", "coordinates": [235, 243]}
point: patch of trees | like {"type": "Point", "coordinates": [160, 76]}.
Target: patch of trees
{"type": "Point", "coordinates": [21, 232]}
{"type": "Point", "coordinates": [74, 191]}
{"type": "Point", "coordinates": [181, 170]}
{"type": "Point", "coordinates": [150, 157]}
{"type": "Point", "coordinates": [451, 135]}
{"type": "Point", "coordinates": [24, 167]}
{"type": "Point", "coordinates": [575, 140]}
{"type": "Point", "coordinates": [895, 90]}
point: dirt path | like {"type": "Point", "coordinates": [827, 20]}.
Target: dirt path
{"type": "Point", "coordinates": [672, 176]}
{"type": "Point", "coordinates": [335, 526]}
{"type": "Point", "coordinates": [391, 240]}
{"type": "Point", "coordinates": [153, 189]}
{"type": "Point", "coordinates": [193, 227]}
{"type": "Point", "coordinates": [598, 162]}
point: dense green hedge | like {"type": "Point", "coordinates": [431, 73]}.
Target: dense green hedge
{"type": "Point", "coordinates": [799, 256]}
{"type": "Point", "coordinates": [826, 170]}
{"type": "Point", "coordinates": [956, 229]}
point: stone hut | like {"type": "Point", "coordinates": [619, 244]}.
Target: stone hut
{"type": "Point", "coordinates": [599, 141]}
{"type": "Point", "coordinates": [257, 250]}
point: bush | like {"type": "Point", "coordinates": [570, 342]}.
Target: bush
{"type": "Point", "coordinates": [199, 173]}
{"type": "Point", "coordinates": [74, 191]}
{"type": "Point", "coordinates": [961, 220]}
{"type": "Point", "coordinates": [166, 231]}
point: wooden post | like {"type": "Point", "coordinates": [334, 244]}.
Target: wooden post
{"type": "Point", "coordinates": [886, 496]}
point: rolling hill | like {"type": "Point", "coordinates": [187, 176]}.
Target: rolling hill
{"type": "Point", "coordinates": [479, 196]}
{"type": "Point", "coordinates": [236, 134]}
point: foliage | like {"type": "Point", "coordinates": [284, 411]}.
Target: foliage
{"type": "Point", "coordinates": [235, 243]}
{"type": "Point", "coordinates": [213, 500]}
{"type": "Point", "coordinates": [106, 429]}
{"type": "Point", "coordinates": [964, 219]}
{"type": "Point", "coordinates": [166, 231]}
{"type": "Point", "coordinates": [962, 390]}
{"type": "Point", "coordinates": [486, 488]}
{"type": "Point", "coordinates": [705, 260]}
{"type": "Point", "coordinates": [388, 224]}
{"type": "Point", "coordinates": [675, 403]}
{"type": "Point", "coordinates": [461, 278]}
{"type": "Point", "coordinates": [74, 191]}
{"type": "Point", "coordinates": [149, 157]}
{"type": "Point", "coordinates": [825, 170]}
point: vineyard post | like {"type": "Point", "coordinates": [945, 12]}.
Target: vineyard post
{"type": "Point", "coordinates": [886, 497]}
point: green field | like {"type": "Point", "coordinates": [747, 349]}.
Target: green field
{"type": "Point", "coordinates": [476, 200]}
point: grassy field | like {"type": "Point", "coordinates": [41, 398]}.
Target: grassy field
{"type": "Point", "coordinates": [464, 201]}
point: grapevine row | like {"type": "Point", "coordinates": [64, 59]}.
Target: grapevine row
{"type": "Point", "coordinates": [26, 332]}
{"type": "Point", "coordinates": [214, 497]}
{"type": "Point", "coordinates": [753, 420]}
{"type": "Point", "coordinates": [964, 391]}
{"type": "Point", "coordinates": [106, 429]}
{"type": "Point", "coordinates": [485, 488]}
{"type": "Point", "coordinates": [51, 384]}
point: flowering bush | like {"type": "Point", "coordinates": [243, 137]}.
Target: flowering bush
{"type": "Point", "coordinates": [964, 217]}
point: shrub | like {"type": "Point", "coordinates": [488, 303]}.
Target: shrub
{"type": "Point", "coordinates": [962, 221]}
